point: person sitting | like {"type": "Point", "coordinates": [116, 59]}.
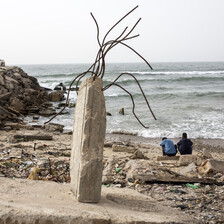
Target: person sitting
{"type": "Point", "coordinates": [168, 147]}
{"type": "Point", "coordinates": [185, 145]}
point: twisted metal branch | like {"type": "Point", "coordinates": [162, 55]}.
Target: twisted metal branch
{"type": "Point", "coordinates": [97, 69]}
{"type": "Point", "coordinates": [126, 73]}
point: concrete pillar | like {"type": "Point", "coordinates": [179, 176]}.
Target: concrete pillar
{"type": "Point", "coordinates": [88, 140]}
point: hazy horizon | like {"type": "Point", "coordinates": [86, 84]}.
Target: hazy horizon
{"type": "Point", "coordinates": [56, 32]}
{"type": "Point", "coordinates": [154, 62]}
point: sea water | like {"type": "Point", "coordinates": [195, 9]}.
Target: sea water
{"type": "Point", "coordinates": [185, 97]}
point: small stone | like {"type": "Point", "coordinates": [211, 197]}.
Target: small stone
{"type": "Point", "coordinates": [121, 111]}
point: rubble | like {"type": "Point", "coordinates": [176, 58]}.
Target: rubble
{"type": "Point", "coordinates": [211, 167]}
{"type": "Point", "coordinates": [166, 180]}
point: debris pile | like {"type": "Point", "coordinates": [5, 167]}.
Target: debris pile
{"type": "Point", "coordinates": [27, 156]}
{"type": "Point", "coordinates": [193, 184]}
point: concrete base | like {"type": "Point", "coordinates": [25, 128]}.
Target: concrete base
{"type": "Point", "coordinates": [43, 202]}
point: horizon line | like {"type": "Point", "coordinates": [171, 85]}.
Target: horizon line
{"type": "Point", "coordinates": [70, 63]}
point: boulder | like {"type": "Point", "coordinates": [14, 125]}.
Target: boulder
{"type": "Point", "coordinates": [18, 92]}
{"type": "Point", "coordinates": [18, 105]}
{"type": "Point", "coordinates": [211, 167]}
{"type": "Point", "coordinates": [56, 96]}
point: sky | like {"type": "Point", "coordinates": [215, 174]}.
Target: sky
{"type": "Point", "coordinates": [58, 32]}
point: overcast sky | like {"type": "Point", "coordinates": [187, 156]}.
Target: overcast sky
{"type": "Point", "coordinates": [56, 31]}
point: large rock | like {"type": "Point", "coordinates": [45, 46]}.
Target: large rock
{"type": "Point", "coordinates": [211, 167]}
{"type": "Point", "coordinates": [18, 92]}
{"type": "Point", "coordinates": [56, 96]}
{"type": "Point", "coordinates": [18, 105]}
{"type": "Point", "coordinates": [88, 141]}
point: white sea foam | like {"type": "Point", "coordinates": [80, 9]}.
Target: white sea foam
{"type": "Point", "coordinates": [198, 73]}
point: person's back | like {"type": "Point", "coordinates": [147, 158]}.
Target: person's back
{"type": "Point", "coordinates": [185, 145]}
{"type": "Point", "coordinates": [168, 147]}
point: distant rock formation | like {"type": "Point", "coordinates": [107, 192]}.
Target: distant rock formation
{"type": "Point", "coordinates": [20, 94]}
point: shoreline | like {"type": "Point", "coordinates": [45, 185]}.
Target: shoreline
{"type": "Point", "coordinates": [216, 142]}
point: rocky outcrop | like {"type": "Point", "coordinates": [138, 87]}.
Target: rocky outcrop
{"type": "Point", "coordinates": [20, 94]}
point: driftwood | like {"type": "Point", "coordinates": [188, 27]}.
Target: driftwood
{"type": "Point", "coordinates": [33, 137]}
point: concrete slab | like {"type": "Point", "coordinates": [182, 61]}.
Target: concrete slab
{"type": "Point", "coordinates": [45, 202]}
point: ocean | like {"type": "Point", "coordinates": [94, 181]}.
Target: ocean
{"type": "Point", "coordinates": [185, 97]}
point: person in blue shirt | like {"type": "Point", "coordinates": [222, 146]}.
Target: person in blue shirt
{"type": "Point", "coordinates": [185, 145]}
{"type": "Point", "coordinates": [168, 147]}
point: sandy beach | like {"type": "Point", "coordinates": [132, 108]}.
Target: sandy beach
{"type": "Point", "coordinates": [48, 160]}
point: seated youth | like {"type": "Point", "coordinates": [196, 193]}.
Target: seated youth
{"type": "Point", "coordinates": [185, 145]}
{"type": "Point", "coordinates": [168, 147]}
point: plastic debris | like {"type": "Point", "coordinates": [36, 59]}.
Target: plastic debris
{"type": "Point", "coordinates": [192, 186]}
{"type": "Point", "coordinates": [118, 170]}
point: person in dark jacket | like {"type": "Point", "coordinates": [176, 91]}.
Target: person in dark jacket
{"type": "Point", "coordinates": [185, 145]}
{"type": "Point", "coordinates": [168, 147]}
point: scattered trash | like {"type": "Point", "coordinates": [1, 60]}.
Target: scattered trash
{"type": "Point", "coordinates": [192, 186]}
{"type": "Point", "coordinates": [118, 170]}
{"type": "Point", "coordinates": [178, 191]}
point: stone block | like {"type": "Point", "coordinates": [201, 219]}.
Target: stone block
{"type": "Point", "coordinates": [123, 148]}
{"type": "Point", "coordinates": [211, 166]}
{"type": "Point", "coordinates": [88, 140]}
{"type": "Point", "coordinates": [164, 158]}
{"type": "Point", "coordinates": [185, 160]}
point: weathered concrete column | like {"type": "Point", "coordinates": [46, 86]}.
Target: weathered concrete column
{"type": "Point", "coordinates": [88, 140]}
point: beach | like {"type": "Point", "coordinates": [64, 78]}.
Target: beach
{"type": "Point", "coordinates": [29, 159]}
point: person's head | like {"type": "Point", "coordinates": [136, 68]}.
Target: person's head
{"type": "Point", "coordinates": [184, 135]}
{"type": "Point", "coordinates": [164, 138]}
